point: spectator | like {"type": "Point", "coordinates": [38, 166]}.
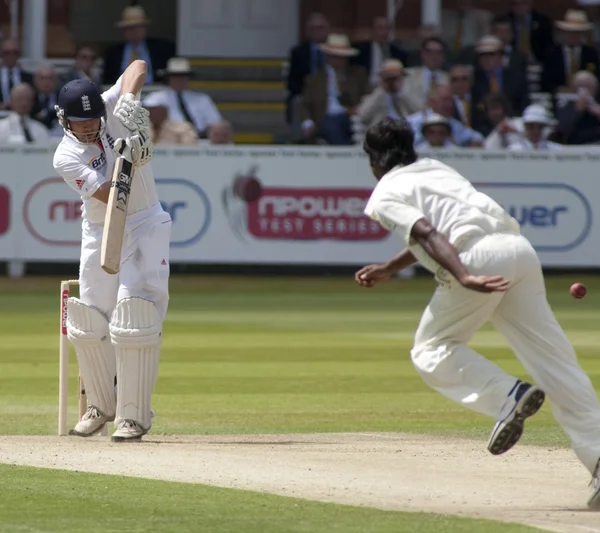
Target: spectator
{"type": "Point", "coordinates": [461, 83]}
{"type": "Point", "coordinates": [18, 127]}
{"type": "Point", "coordinates": [571, 55]}
{"type": "Point", "coordinates": [388, 100]}
{"type": "Point", "coordinates": [165, 131]}
{"type": "Point", "coordinates": [85, 58]}
{"type": "Point", "coordinates": [332, 94]}
{"type": "Point", "coordinates": [464, 26]}
{"type": "Point", "coordinates": [11, 74]}
{"type": "Point", "coordinates": [45, 82]}
{"type": "Point", "coordinates": [221, 133]}
{"type": "Point", "coordinates": [183, 103]}
{"type": "Point", "coordinates": [535, 119]}
{"type": "Point", "coordinates": [372, 54]}
{"type": "Point", "coordinates": [155, 52]}
{"type": "Point", "coordinates": [437, 132]}
{"type": "Point", "coordinates": [490, 78]}
{"type": "Point", "coordinates": [579, 118]}
{"type": "Point", "coordinates": [421, 80]}
{"type": "Point", "coordinates": [441, 102]}
{"type": "Point", "coordinates": [424, 32]}
{"type": "Point", "coordinates": [532, 31]}
{"type": "Point", "coordinates": [502, 130]}
{"type": "Point", "coordinates": [306, 58]}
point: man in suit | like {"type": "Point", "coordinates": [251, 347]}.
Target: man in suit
{"type": "Point", "coordinates": [491, 77]}
{"type": "Point", "coordinates": [18, 127]}
{"type": "Point", "coordinates": [332, 94]}
{"type": "Point", "coordinates": [11, 74]}
{"type": "Point", "coordinates": [306, 58]}
{"type": "Point", "coordinates": [155, 52]}
{"type": "Point", "coordinates": [45, 82]}
{"type": "Point", "coordinates": [571, 55]}
{"type": "Point", "coordinates": [372, 54]}
{"type": "Point", "coordinates": [85, 58]}
{"type": "Point", "coordinates": [532, 30]}
{"type": "Point", "coordinates": [421, 80]}
{"type": "Point", "coordinates": [464, 26]}
{"type": "Point", "coordinates": [388, 100]}
{"type": "Point", "coordinates": [461, 83]}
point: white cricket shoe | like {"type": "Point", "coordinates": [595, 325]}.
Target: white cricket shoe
{"type": "Point", "coordinates": [91, 422]}
{"type": "Point", "coordinates": [523, 401]}
{"type": "Point", "coordinates": [594, 501]}
{"type": "Point", "coordinates": [128, 430]}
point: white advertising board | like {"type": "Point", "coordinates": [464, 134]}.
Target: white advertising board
{"type": "Point", "coordinates": [299, 205]}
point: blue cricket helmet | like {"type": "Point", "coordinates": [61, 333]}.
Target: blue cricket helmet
{"type": "Point", "coordinates": [81, 100]}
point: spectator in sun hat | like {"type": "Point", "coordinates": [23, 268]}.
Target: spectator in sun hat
{"type": "Point", "coordinates": [184, 104]}
{"type": "Point", "coordinates": [136, 45]}
{"type": "Point", "coordinates": [437, 133]}
{"type": "Point", "coordinates": [571, 54]}
{"type": "Point", "coordinates": [388, 100]}
{"type": "Point", "coordinates": [492, 77]}
{"type": "Point", "coordinates": [332, 94]}
{"type": "Point", "coordinates": [535, 119]}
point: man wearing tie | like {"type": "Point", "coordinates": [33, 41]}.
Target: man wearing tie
{"type": "Point", "coordinates": [306, 58]}
{"type": "Point", "coordinates": [155, 52]}
{"type": "Point", "coordinates": [46, 88]}
{"type": "Point", "coordinates": [184, 104]}
{"type": "Point", "coordinates": [11, 74]}
{"type": "Point", "coordinates": [372, 54]}
{"type": "Point", "coordinates": [461, 82]}
{"type": "Point", "coordinates": [532, 30]}
{"type": "Point", "coordinates": [492, 78]}
{"type": "Point", "coordinates": [18, 127]}
{"type": "Point", "coordinates": [572, 54]}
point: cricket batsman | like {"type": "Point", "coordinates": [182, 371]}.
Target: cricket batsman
{"type": "Point", "coordinates": [116, 323]}
{"type": "Point", "coordinates": [485, 271]}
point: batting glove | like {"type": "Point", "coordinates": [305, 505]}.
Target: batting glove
{"type": "Point", "coordinates": [131, 113]}
{"type": "Point", "coordinates": [137, 148]}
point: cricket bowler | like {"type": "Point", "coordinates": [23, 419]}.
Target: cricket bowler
{"type": "Point", "coordinates": [485, 271]}
{"type": "Point", "coordinates": [116, 323]}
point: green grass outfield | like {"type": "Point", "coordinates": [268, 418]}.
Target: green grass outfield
{"type": "Point", "coordinates": [244, 355]}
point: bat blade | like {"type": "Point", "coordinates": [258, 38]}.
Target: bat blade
{"type": "Point", "coordinates": [116, 214]}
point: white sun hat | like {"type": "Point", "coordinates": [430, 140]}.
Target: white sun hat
{"type": "Point", "coordinates": [574, 20]}
{"type": "Point", "coordinates": [338, 45]}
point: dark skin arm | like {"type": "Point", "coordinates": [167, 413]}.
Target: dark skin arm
{"type": "Point", "coordinates": [439, 248]}
{"type": "Point", "coordinates": [369, 275]}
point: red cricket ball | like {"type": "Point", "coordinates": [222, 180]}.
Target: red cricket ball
{"type": "Point", "coordinates": [578, 290]}
{"type": "Point", "coordinates": [248, 189]}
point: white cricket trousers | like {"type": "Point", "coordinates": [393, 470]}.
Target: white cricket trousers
{"type": "Point", "coordinates": [524, 317]}
{"type": "Point", "coordinates": [144, 265]}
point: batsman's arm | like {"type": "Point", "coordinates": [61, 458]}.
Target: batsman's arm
{"type": "Point", "coordinates": [134, 77]}
{"type": "Point", "coordinates": [103, 192]}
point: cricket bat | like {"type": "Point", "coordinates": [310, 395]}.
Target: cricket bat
{"type": "Point", "coordinates": [116, 213]}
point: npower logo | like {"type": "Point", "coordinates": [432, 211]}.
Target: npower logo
{"type": "Point", "coordinates": [52, 214]}
{"type": "Point", "coordinates": [555, 217]}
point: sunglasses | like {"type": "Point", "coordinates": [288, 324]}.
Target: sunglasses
{"type": "Point", "coordinates": [459, 78]}
{"type": "Point", "coordinates": [87, 56]}
{"type": "Point", "coordinates": [434, 50]}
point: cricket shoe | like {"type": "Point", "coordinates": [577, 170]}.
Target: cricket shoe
{"type": "Point", "coordinates": [91, 422]}
{"type": "Point", "coordinates": [128, 430]}
{"type": "Point", "coordinates": [594, 501]}
{"type": "Point", "coordinates": [523, 401]}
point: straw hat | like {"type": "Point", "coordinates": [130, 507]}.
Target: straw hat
{"type": "Point", "coordinates": [488, 44]}
{"type": "Point", "coordinates": [575, 20]}
{"type": "Point", "coordinates": [133, 16]}
{"type": "Point", "coordinates": [177, 66]}
{"type": "Point", "coordinates": [338, 45]}
{"type": "Point", "coordinates": [436, 120]}
{"type": "Point", "coordinates": [391, 66]}
{"type": "Point", "coordinates": [537, 114]}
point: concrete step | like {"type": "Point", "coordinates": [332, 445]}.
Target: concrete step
{"type": "Point", "coordinates": [242, 91]}
{"type": "Point", "coordinates": [255, 121]}
{"type": "Point", "coordinates": [239, 69]}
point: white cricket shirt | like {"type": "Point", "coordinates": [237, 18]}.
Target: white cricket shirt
{"type": "Point", "coordinates": [432, 190]}
{"type": "Point", "coordinates": [85, 167]}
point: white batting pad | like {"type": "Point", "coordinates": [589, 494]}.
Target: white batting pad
{"type": "Point", "coordinates": [87, 329]}
{"type": "Point", "coordinates": [135, 330]}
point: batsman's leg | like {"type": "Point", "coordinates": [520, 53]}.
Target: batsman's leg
{"type": "Point", "coordinates": [87, 329]}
